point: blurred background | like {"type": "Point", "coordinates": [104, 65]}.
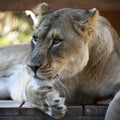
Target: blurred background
{"type": "Point", "coordinates": [15, 27]}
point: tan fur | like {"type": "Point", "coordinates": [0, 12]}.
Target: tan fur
{"type": "Point", "coordinates": [77, 53]}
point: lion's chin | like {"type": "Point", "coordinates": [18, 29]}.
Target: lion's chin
{"type": "Point", "coordinates": [39, 78]}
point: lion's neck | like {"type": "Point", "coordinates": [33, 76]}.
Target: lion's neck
{"type": "Point", "coordinates": [101, 48]}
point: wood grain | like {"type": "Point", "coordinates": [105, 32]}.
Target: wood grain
{"type": "Point", "coordinates": [12, 110]}
{"type": "Point", "coordinates": [83, 4]}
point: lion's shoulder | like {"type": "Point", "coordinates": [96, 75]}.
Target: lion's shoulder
{"type": "Point", "coordinates": [109, 32]}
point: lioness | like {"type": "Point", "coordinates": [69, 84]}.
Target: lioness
{"type": "Point", "coordinates": [74, 58]}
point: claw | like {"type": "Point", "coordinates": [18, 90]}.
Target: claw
{"type": "Point", "coordinates": [45, 89]}
{"type": "Point", "coordinates": [56, 101]}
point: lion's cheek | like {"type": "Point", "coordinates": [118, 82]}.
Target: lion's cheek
{"type": "Point", "coordinates": [75, 64]}
{"type": "Point", "coordinates": [58, 67]}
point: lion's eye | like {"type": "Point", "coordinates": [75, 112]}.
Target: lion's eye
{"type": "Point", "coordinates": [34, 40]}
{"type": "Point", "coordinates": [57, 41]}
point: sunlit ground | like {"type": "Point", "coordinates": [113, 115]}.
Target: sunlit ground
{"type": "Point", "coordinates": [15, 27]}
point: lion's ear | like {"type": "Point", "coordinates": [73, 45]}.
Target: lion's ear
{"type": "Point", "coordinates": [85, 22]}
{"type": "Point", "coordinates": [42, 9]}
{"type": "Point", "coordinates": [38, 12]}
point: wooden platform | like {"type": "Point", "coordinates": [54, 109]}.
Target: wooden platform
{"type": "Point", "coordinates": [13, 110]}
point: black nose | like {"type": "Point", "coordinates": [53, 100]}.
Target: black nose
{"type": "Point", "coordinates": [34, 63]}
{"type": "Point", "coordinates": [34, 68]}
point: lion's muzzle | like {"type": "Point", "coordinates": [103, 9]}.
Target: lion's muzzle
{"type": "Point", "coordinates": [39, 68]}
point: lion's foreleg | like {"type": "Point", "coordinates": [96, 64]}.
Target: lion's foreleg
{"type": "Point", "coordinates": [16, 82]}
{"type": "Point", "coordinates": [46, 98]}
{"type": "Point", "coordinates": [113, 112]}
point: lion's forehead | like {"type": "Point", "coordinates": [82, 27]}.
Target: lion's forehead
{"type": "Point", "coordinates": [55, 20]}
{"type": "Point", "coordinates": [48, 30]}
{"type": "Point", "coordinates": [45, 24]}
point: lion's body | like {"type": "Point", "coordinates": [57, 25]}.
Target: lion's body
{"type": "Point", "coordinates": [89, 70]}
{"type": "Point", "coordinates": [13, 71]}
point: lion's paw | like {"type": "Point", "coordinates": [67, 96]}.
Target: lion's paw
{"type": "Point", "coordinates": [55, 104]}
{"type": "Point", "coordinates": [49, 101]}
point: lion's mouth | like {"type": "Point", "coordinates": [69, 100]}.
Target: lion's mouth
{"type": "Point", "coordinates": [41, 77]}
{"type": "Point", "coordinates": [42, 74]}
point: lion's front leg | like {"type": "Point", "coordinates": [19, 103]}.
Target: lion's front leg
{"type": "Point", "coordinates": [113, 112]}
{"type": "Point", "coordinates": [46, 99]}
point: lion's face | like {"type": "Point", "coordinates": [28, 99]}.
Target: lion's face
{"type": "Point", "coordinates": [59, 47]}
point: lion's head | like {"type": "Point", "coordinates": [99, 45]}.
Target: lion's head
{"type": "Point", "coordinates": [60, 42]}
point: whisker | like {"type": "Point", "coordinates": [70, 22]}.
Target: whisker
{"type": "Point", "coordinates": [46, 69]}
{"type": "Point", "coordinates": [46, 73]}
{"type": "Point", "coordinates": [57, 84]}
{"type": "Point", "coordinates": [62, 86]}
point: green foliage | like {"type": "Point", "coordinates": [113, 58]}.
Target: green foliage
{"type": "Point", "coordinates": [15, 27]}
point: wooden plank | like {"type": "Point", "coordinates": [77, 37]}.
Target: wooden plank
{"type": "Point", "coordinates": [83, 4]}
{"type": "Point", "coordinates": [74, 111]}
{"type": "Point", "coordinates": [10, 104]}
{"type": "Point", "coordinates": [26, 109]}
{"type": "Point", "coordinates": [95, 110]}
{"type": "Point", "coordinates": [20, 118]}
{"type": "Point", "coordinates": [84, 118]}
{"type": "Point", "coordinates": [8, 107]}
{"type": "Point", "coordinates": [104, 102]}
{"type": "Point", "coordinates": [12, 110]}
{"type": "Point", "coordinates": [38, 118]}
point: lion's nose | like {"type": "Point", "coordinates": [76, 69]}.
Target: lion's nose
{"type": "Point", "coordinates": [34, 68]}
{"type": "Point", "coordinates": [33, 63]}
